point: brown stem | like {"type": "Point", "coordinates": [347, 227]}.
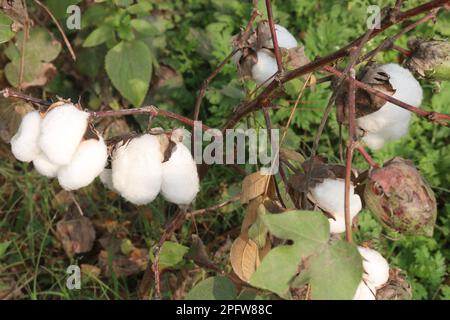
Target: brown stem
{"type": "Point", "coordinates": [349, 155]}
{"type": "Point", "coordinates": [152, 110]}
{"type": "Point", "coordinates": [274, 36]}
{"type": "Point", "coordinates": [429, 115]}
{"type": "Point", "coordinates": [366, 155]}
{"type": "Point", "coordinates": [9, 93]}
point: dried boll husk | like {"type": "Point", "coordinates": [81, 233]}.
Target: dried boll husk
{"type": "Point", "coordinates": [24, 144]}
{"type": "Point", "coordinates": [397, 288]}
{"type": "Point", "coordinates": [376, 268]}
{"type": "Point", "coordinates": [62, 130]}
{"type": "Point", "coordinates": [429, 58]}
{"type": "Point", "coordinates": [44, 166]}
{"type": "Point", "coordinates": [137, 169]}
{"type": "Point", "coordinates": [400, 198]}
{"type": "Point", "coordinates": [87, 163]}
{"type": "Point", "coordinates": [365, 291]}
{"type": "Point", "coordinates": [180, 183]}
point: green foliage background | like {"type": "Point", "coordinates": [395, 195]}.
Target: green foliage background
{"type": "Point", "coordinates": [193, 37]}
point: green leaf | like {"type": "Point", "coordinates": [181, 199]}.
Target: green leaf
{"type": "Point", "coordinates": [59, 7]}
{"type": "Point", "coordinates": [129, 66]}
{"type": "Point", "coordinates": [171, 254]}
{"type": "Point", "coordinates": [143, 26]}
{"type": "Point", "coordinates": [335, 273]}
{"type": "Point", "coordinates": [309, 230]}
{"type": "Point", "coordinates": [99, 36]}
{"type": "Point", "coordinates": [6, 32]}
{"type": "Point", "coordinates": [40, 47]}
{"type": "Point", "coordinates": [3, 247]}
{"type": "Point", "coordinates": [215, 288]}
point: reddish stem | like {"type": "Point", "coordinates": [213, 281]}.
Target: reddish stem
{"type": "Point", "coordinates": [366, 156]}
{"type": "Point", "coordinates": [274, 36]}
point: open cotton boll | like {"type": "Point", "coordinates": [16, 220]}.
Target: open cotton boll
{"type": "Point", "coordinates": [375, 266]}
{"type": "Point", "coordinates": [330, 197]}
{"type": "Point", "coordinates": [61, 132]}
{"type": "Point", "coordinates": [45, 166]}
{"type": "Point", "coordinates": [392, 122]}
{"type": "Point", "coordinates": [265, 68]}
{"type": "Point", "coordinates": [106, 178]}
{"type": "Point", "coordinates": [137, 169]}
{"type": "Point", "coordinates": [284, 37]}
{"type": "Point", "coordinates": [180, 177]}
{"type": "Point", "coordinates": [365, 292]}
{"type": "Point", "coordinates": [24, 144]}
{"type": "Point", "coordinates": [337, 225]}
{"type": "Point", "coordinates": [87, 163]}
{"type": "Point", "coordinates": [373, 141]}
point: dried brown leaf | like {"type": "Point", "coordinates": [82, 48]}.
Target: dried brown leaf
{"type": "Point", "coordinates": [244, 257]}
{"type": "Point", "coordinates": [76, 234]}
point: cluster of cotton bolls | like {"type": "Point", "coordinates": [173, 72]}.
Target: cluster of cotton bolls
{"type": "Point", "coordinates": [61, 144]}
{"type": "Point", "coordinates": [376, 274]}
{"type": "Point", "coordinates": [391, 122]}
{"type": "Point", "coordinates": [329, 196]}
{"type": "Point", "coordinates": [139, 173]}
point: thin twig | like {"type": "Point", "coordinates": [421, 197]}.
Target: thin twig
{"type": "Point", "coordinates": [61, 30]}
{"type": "Point", "coordinates": [205, 83]}
{"type": "Point", "coordinates": [349, 155]}
{"type": "Point", "coordinates": [366, 155]}
{"type": "Point", "coordinates": [9, 93]}
{"type": "Point", "coordinates": [274, 36]}
{"type": "Point", "coordinates": [213, 208]}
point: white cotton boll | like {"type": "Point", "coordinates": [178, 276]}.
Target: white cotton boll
{"type": "Point", "coordinates": [180, 177]}
{"type": "Point", "coordinates": [137, 169]}
{"type": "Point", "coordinates": [376, 267]}
{"type": "Point", "coordinates": [24, 144]}
{"type": "Point", "coordinates": [392, 122]}
{"type": "Point", "coordinates": [365, 292]}
{"type": "Point", "coordinates": [373, 141]}
{"type": "Point", "coordinates": [337, 225]}
{"type": "Point", "coordinates": [45, 166]}
{"type": "Point", "coordinates": [284, 37]}
{"type": "Point", "coordinates": [265, 68]}
{"type": "Point", "coordinates": [87, 163]}
{"type": "Point", "coordinates": [61, 132]}
{"type": "Point", "coordinates": [330, 197]}
{"type": "Point", "coordinates": [106, 178]}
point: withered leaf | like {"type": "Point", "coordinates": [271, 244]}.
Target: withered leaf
{"type": "Point", "coordinates": [255, 185]}
{"type": "Point", "coordinates": [198, 252]}
{"type": "Point", "coordinates": [244, 257]}
{"type": "Point", "coordinates": [11, 114]}
{"type": "Point", "coordinates": [76, 234]}
{"type": "Point", "coordinates": [251, 214]}
{"type": "Point", "coordinates": [121, 265]}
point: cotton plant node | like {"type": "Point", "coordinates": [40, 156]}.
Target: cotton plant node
{"type": "Point", "coordinates": [429, 58]}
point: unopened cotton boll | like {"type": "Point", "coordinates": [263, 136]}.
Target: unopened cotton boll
{"type": "Point", "coordinates": [45, 166]}
{"type": "Point", "coordinates": [376, 267]}
{"type": "Point", "coordinates": [62, 130]}
{"type": "Point", "coordinates": [180, 177]}
{"type": "Point", "coordinates": [365, 291]}
{"type": "Point", "coordinates": [284, 37]}
{"type": "Point", "coordinates": [265, 68]}
{"type": "Point", "coordinates": [391, 122]}
{"type": "Point", "coordinates": [137, 169]}
{"type": "Point", "coordinates": [24, 144]}
{"type": "Point", "coordinates": [87, 163]}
